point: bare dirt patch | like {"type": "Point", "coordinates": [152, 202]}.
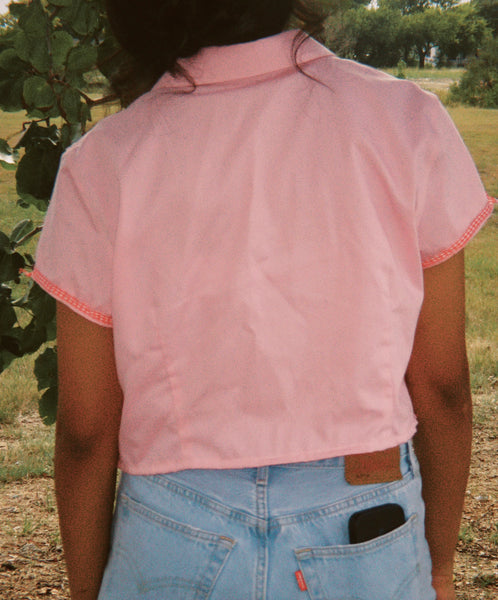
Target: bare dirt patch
{"type": "Point", "coordinates": [31, 558]}
{"type": "Point", "coordinates": [31, 565]}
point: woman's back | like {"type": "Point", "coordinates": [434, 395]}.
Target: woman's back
{"type": "Point", "coordinates": [259, 253]}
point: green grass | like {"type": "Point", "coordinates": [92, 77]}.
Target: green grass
{"type": "Point", "coordinates": [27, 451]}
{"type": "Point", "coordinates": [19, 390]}
{"type": "Point", "coordinates": [427, 73]}
{"type": "Point", "coordinates": [482, 300]}
{"type": "Point", "coordinates": [466, 534]}
{"type": "Point", "coordinates": [479, 129]}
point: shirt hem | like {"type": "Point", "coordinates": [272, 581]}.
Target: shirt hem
{"type": "Point", "coordinates": [470, 232]}
{"type": "Point", "coordinates": [77, 305]}
{"type": "Point", "coordinates": [263, 461]}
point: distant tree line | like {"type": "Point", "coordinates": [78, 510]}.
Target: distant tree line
{"type": "Point", "coordinates": [409, 29]}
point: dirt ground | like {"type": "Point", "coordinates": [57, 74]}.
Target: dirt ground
{"type": "Point", "coordinates": [31, 558]}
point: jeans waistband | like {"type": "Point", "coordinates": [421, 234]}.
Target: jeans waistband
{"type": "Point", "coordinates": [306, 485]}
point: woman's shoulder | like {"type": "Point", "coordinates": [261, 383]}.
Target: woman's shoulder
{"type": "Point", "coordinates": [363, 84]}
{"type": "Point", "coordinates": [370, 96]}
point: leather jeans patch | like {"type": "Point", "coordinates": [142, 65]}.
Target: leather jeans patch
{"type": "Point", "coordinates": [374, 467]}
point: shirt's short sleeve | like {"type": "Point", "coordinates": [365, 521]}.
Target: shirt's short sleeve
{"type": "Point", "coordinates": [74, 256]}
{"type": "Point", "coordinates": [451, 202]}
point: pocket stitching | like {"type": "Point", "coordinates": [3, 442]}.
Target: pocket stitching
{"type": "Point", "coordinates": [345, 551]}
{"type": "Point", "coordinates": [352, 549]}
{"type": "Point", "coordinates": [218, 547]}
{"type": "Point", "coordinates": [355, 501]}
{"type": "Point", "coordinates": [191, 532]}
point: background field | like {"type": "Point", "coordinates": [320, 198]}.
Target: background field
{"type": "Point", "coordinates": [30, 551]}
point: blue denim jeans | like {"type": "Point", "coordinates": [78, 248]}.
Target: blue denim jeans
{"type": "Point", "coordinates": [268, 533]}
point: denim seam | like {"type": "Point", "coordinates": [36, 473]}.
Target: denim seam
{"type": "Point", "coordinates": [323, 511]}
{"type": "Point", "coordinates": [262, 513]}
{"type": "Point", "coordinates": [219, 556]}
{"type": "Point", "coordinates": [221, 547]}
{"type": "Point", "coordinates": [351, 550]}
{"type": "Point", "coordinates": [189, 531]}
{"type": "Point", "coordinates": [342, 506]}
{"type": "Point", "coordinates": [208, 503]}
{"type": "Point", "coordinates": [324, 552]}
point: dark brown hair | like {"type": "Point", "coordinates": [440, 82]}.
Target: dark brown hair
{"type": "Point", "coordinates": [155, 34]}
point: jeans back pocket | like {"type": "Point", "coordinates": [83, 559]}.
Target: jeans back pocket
{"type": "Point", "coordinates": [154, 557]}
{"type": "Point", "coordinates": [385, 568]}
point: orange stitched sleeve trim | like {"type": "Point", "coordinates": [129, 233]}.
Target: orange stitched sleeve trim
{"type": "Point", "coordinates": [80, 307]}
{"type": "Point", "coordinates": [466, 237]}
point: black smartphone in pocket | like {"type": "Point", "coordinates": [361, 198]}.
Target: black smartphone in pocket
{"type": "Point", "coordinates": [373, 522]}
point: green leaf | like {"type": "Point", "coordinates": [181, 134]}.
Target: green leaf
{"type": "Point", "coordinates": [60, 2]}
{"type": "Point", "coordinates": [110, 57]}
{"type": "Point", "coordinates": [8, 156]}
{"type": "Point", "coordinates": [5, 290]}
{"type": "Point", "coordinates": [38, 93]}
{"type": "Point", "coordinates": [20, 231]}
{"type": "Point", "coordinates": [33, 336]}
{"type": "Point", "coordinates": [8, 166]}
{"type": "Point", "coordinates": [86, 113]}
{"type": "Point", "coordinates": [36, 136]}
{"type": "Point", "coordinates": [46, 373]}
{"type": "Point", "coordinates": [10, 263]}
{"type": "Point", "coordinates": [33, 21]}
{"type": "Point", "coordinates": [17, 9]}
{"type": "Point", "coordinates": [22, 301]}
{"type": "Point", "coordinates": [7, 316]}
{"type": "Point", "coordinates": [42, 305]}
{"type": "Point", "coordinates": [30, 261]}
{"type": "Point", "coordinates": [36, 172]}
{"type": "Point", "coordinates": [31, 45]}
{"type": "Point", "coordinates": [11, 99]}
{"type": "Point", "coordinates": [71, 105]}
{"type": "Point", "coordinates": [46, 369]}
{"type": "Point", "coordinates": [4, 246]}
{"type": "Point", "coordinates": [82, 15]}
{"type": "Point", "coordinates": [37, 169]}
{"type": "Point", "coordinates": [27, 200]}
{"type": "Point", "coordinates": [51, 329]}
{"type": "Point", "coordinates": [40, 58]}
{"type": "Point", "coordinates": [82, 58]}
{"type": "Point", "coordinates": [22, 45]}
{"type": "Point", "coordinates": [47, 406]}
{"type": "Point", "coordinates": [11, 62]}
{"type": "Point", "coordinates": [5, 359]}
{"type": "Point", "coordinates": [61, 44]}
{"type": "Point", "coordinates": [11, 344]}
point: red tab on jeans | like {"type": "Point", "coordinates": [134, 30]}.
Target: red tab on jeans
{"type": "Point", "coordinates": [300, 581]}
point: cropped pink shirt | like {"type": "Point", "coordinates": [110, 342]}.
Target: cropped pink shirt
{"type": "Point", "coordinates": [257, 244]}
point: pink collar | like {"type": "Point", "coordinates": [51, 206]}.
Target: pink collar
{"type": "Point", "coordinates": [223, 64]}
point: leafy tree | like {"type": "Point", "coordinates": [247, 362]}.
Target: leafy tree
{"type": "Point", "coordinates": [462, 31]}
{"type": "Point", "coordinates": [488, 9]}
{"type": "Point", "coordinates": [478, 86]}
{"type": "Point", "coordinates": [45, 52]}
{"type": "Point", "coordinates": [372, 37]}
{"type": "Point", "coordinates": [421, 30]}
{"type": "Point", "coordinates": [400, 29]}
{"type": "Point", "coordinates": [410, 7]}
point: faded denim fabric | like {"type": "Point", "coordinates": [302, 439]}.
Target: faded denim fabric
{"type": "Point", "coordinates": [268, 533]}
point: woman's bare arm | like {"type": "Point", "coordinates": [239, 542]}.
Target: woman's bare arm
{"type": "Point", "coordinates": [438, 380]}
{"type": "Point", "coordinates": [86, 452]}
